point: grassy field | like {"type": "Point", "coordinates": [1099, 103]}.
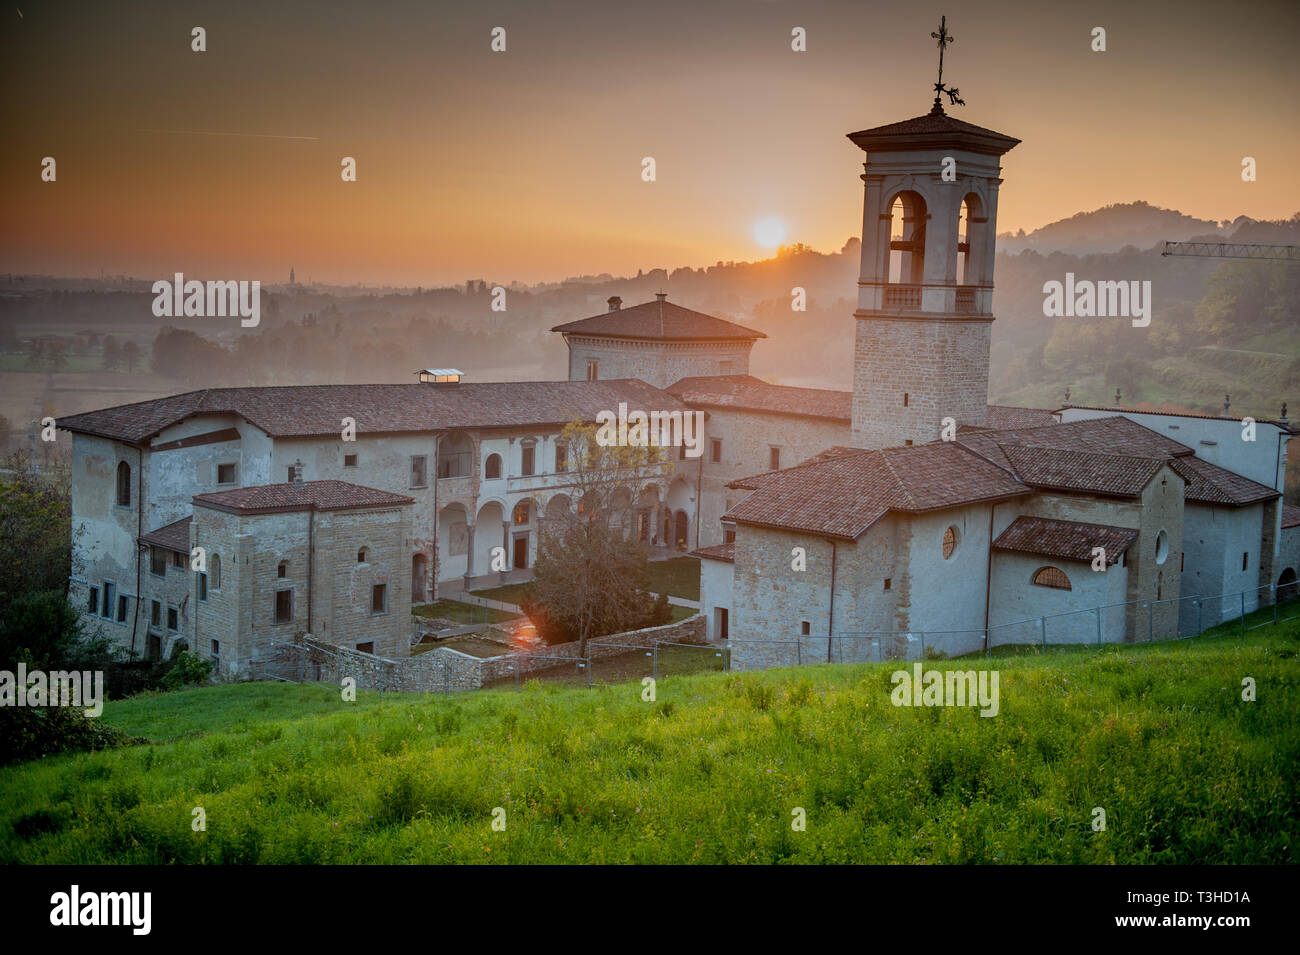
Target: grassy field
{"type": "Point", "coordinates": [462, 613]}
{"type": "Point", "coordinates": [1157, 735]}
{"type": "Point", "coordinates": [677, 576]}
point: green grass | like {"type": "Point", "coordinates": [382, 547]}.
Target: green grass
{"type": "Point", "coordinates": [461, 612]}
{"type": "Point", "coordinates": [1157, 735]}
{"type": "Point", "coordinates": [677, 576]}
{"type": "Point", "coordinates": [507, 593]}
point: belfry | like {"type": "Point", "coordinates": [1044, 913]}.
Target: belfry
{"type": "Point", "coordinates": [925, 287]}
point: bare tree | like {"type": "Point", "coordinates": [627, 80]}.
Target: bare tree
{"type": "Point", "coordinates": [591, 573]}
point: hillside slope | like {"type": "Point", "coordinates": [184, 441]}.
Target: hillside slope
{"type": "Point", "coordinates": [1158, 736]}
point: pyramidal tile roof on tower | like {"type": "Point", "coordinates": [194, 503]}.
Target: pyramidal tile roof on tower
{"type": "Point", "coordinates": [932, 131]}
{"type": "Point", "coordinates": [659, 320]}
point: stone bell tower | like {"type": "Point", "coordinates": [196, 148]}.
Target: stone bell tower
{"type": "Point", "coordinates": [925, 289]}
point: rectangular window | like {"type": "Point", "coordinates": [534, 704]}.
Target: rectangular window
{"type": "Point", "coordinates": [561, 457]}
{"type": "Point", "coordinates": [92, 606]}
{"type": "Point", "coordinates": [180, 560]}
{"type": "Point", "coordinates": [157, 561]}
{"type": "Point", "coordinates": [419, 470]}
{"type": "Point", "coordinates": [292, 475]}
{"type": "Point", "coordinates": [121, 609]}
{"type": "Point", "coordinates": [529, 457]}
{"type": "Point", "coordinates": [349, 460]}
{"type": "Point", "coordinates": [1182, 561]}
{"type": "Point", "coordinates": [805, 628]}
{"type": "Point", "coordinates": [203, 586]}
{"type": "Point", "coordinates": [379, 598]}
{"type": "Point", "coordinates": [1245, 560]}
{"type": "Point", "coordinates": [109, 593]}
{"type": "Point", "coordinates": [227, 473]}
{"type": "Point", "coordinates": [887, 583]}
{"type": "Point", "coordinates": [907, 442]}
{"type": "Point", "coordinates": [172, 619]}
{"type": "Point", "coordinates": [155, 614]}
{"type": "Point", "coordinates": [905, 399]}
{"type": "Point", "coordinates": [728, 537]}
{"type": "Point", "coordinates": [367, 647]}
{"type": "Point", "coordinates": [774, 459]}
{"type": "Point", "coordinates": [593, 369]}
{"type": "Point", "coordinates": [216, 654]}
{"type": "Point", "coordinates": [715, 446]}
{"type": "Point", "coordinates": [155, 647]}
{"type": "Point", "coordinates": [283, 606]}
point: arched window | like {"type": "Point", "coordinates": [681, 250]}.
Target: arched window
{"type": "Point", "coordinates": [492, 468]}
{"type": "Point", "coordinates": [1052, 577]}
{"type": "Point", "coordinates": [124, 484]}
{"type": "Point", "coordinates": [949, 542]}
{"type": "Point", "coordinates": [906, 248]}
{"type": "Point", "coordinates": [1162, 547]}
{"type": "Point", "coordinates": [521, 513]}
{"type": "Point", "coordinates": [214, 572]}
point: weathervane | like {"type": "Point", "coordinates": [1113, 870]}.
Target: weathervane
{"type": "Point", "coordinates": [939, 89]}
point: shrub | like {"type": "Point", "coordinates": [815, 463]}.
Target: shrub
{"type": "Point", "coordinates": [184, 669]}
{"type": "Point", "coordinates": [28, 732]}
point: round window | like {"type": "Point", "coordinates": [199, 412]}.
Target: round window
{"type": "Point", "coordinates": [949, 542]}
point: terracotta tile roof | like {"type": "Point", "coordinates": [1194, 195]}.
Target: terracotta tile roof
{"type": "Point", "coordinates": [843, 496]}
{"type": "Point", "coordinates": [173, 536]}
{"type": "Point", "coordinates": [1290, 516]}
{"type": "Point", "coordinates": [309, 495]}
{"type": "Point", "coordinates": [659, 321]}
{"type": "Point", "coordinates": [1282, 423]}
{"type": "Point", "coordinates": [317, 410]}
{"type": "Point", "coordinates": [745, 392]}
{"type": "Point", "coordinates": [933, 130]}
{"type": "Point", "coordinates": [1068, 540]}
{"type": "Point", "coordinates": [1117, 435]}
{"type": "Point", "coordinates": [1113, 475]}
{"type": "Point", "coordinates": [1210, 484]}
{"type": "Point", "coordinates": [1001, 417]}
{"type": "Point", "coordinates": [725, 552]}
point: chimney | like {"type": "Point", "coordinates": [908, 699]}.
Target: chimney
{"type": "Point", "coordinates": [615, 303]}
{"type": "Point", "coordinates": [662, 296]}
{"type": "Point", "coordinates": [1227, 404]}
{"type": "Point", "coordinates": [1118, 398]}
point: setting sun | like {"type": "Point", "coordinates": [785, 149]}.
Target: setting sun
{"type": "Point", "coordinates": [769, 232]}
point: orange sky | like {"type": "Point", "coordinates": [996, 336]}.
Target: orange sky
{"type": "Point", "coordinates": [526, 165]}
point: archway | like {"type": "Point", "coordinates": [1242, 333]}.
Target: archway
{"type": "Point", "coordinates": [419, 578]}
{"type": "Point", "coordinates": [1287, 587]}
{"type": "Point", "coordinates": [908, 214]}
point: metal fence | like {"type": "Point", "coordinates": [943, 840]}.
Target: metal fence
{"type": "Point", "coordinates": [1138, 621]}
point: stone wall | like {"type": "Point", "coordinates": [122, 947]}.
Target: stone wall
{"type": "Point", "coordinates": [941, 365]}
{"type": "Point", "coordinates": [445, 669]}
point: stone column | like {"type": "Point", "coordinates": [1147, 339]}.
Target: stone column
{"type": "Point", "coordinates": [505, 543]}
{"type": "Point", "coordinates": [469, 555]}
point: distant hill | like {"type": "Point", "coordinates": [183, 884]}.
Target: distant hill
{"type": "Point", "coordinates": [1112, 227]}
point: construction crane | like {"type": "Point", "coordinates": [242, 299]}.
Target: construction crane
{"type": "Point", "coordinates": [1234, 250]}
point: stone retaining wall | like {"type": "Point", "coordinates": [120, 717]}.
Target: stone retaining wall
{"type": "Point", "coordinates": [445, 669]}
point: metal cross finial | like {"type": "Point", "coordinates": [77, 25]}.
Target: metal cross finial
{"type": "Point", "coordinates": [951, 92]}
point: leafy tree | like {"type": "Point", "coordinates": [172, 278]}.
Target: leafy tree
{"type": "Point", "coordinates": [112, 353]}
{"type": "Point", "coordinates": [130, 354]}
